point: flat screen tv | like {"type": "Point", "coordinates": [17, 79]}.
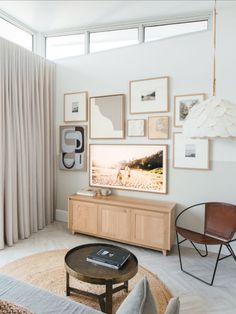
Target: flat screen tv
{"type": "Point", "coordinates": [129, 167]}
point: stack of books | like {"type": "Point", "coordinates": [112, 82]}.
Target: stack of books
{"type": "Point", "coordinates": [109, 257]}
{"type": "Point", "coordinates": [87, 192]}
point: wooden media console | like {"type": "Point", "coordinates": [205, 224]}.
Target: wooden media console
{"type": "Point", "coordinates": [145, 223]}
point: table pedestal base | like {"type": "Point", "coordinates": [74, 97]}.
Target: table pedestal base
{"type": "Point", "coordinates": [104, 299]}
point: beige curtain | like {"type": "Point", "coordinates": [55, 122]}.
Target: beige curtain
{"type": "Point", "coordinates": [26, 142]}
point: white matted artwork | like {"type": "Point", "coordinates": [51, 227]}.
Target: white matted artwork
{"type": "Point", "coordinates": [184, 103]}
{"type": "Point", "coordinates": [190, 153]}
{"type": "Point", "coordinates": [158, 127]}
{"type": "Point", "coordinates": [149, 95]}
{"type": "Point", "coordinates": [75, 107]}
{"type": "Point", "coordinates": [136, 127]}
{"type": "Point", "coordinates": [107, 117]}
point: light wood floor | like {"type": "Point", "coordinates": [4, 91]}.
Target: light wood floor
{"type": "Point", "coordinates": [195, 297]}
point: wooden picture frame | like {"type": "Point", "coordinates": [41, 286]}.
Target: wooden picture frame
{"type": "Point", "coordinates": [190, 153]}
{"type": "Point", "coordinates": [136, 127]}
{"type": "Point", "coordinates": [182, 105]}
{"type": "Point", "coordinates": [158, 127]}
{"type": "Point", "coordinates": [76, 107]}
{"type": "Point", "coordinates": [129, 167]}
{"type": "Point", "coordinates": [106, 119]}
{"type": "Point", "coordinates": [149, 95]}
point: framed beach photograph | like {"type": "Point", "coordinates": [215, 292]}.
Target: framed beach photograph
{"type": "Point", "coordinates": [190, 153]}
{"type": "Point", "coordinates": [149, 95]}
{"type": "Point", "coordinates": [75, 107]}
{"type": "Point", "coordinates": [129, 167]}
{"type": "Point", "coordinates": [107, 117]}
{"type": "Point", "coordinates": [183, 103]}
{"type": "Point", "coordinates": [158, 127]}
{"type": "Point", "coordinates": [136, 127]}
{"type": "Point", "coordinates": [73, 147]}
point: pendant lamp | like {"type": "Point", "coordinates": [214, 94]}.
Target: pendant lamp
{"type": "Point", "coordinates": [214, 117]}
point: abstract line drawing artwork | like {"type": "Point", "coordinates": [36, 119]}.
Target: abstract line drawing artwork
{"type": "Point", "coordinates": [136, 127]}
{"type": "Point", "coordinates": [73, 154]}
{"type": "Point", "coordinates": [158, 127]}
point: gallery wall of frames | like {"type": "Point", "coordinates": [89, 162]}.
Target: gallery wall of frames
{"type": "Point", "coordinates": [137, 167]}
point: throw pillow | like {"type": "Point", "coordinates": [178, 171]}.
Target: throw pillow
{"type": "Point", "coordinates": [173, 306]}
{"type": "Point", "coordinates": [11, 308]}
{"type": "Point", "coordinates": [139, 301]}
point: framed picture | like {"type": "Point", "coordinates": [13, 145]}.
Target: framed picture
{"type": "Point", "coordinates": [73, 150]}
{"type": "Point", "coordinates": [136, 127]}
{"type": "Point", "coordinates": [129, 167]}
{"type": "Point", "coordinates": [149, 95]}
{"type": "Point", "coordinates": [75, 107]}
{"type": "Point", "coordinates": [107, 117]}
{"type": "Point", "coordinates": [183, 103]}
{"type": "Point", "coordinates": [158, 127]}
{"type": "Point", "coordinates": [190, 153]}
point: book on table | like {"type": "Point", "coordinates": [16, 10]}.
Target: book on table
{"type": "Point", "coordinates": [109, 257]}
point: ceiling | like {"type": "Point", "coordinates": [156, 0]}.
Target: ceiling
{"type": "Point", "coordinates": [53, 16]}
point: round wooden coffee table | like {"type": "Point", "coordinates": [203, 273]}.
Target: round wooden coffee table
{"type": "Point", "coordinates": [77, 267]}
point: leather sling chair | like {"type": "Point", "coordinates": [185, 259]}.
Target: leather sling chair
{"type": "Point", "coordinates": [219, 229]}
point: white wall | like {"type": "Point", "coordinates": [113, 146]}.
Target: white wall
{"type": "Point", "coordinates": [187, 60]}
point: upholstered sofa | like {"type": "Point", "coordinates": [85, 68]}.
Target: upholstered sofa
{"type": "Point", "coordinates": [40, 301]}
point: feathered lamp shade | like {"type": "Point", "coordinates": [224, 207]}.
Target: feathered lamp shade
{"type": "Point", "coordinates": [211, 118]}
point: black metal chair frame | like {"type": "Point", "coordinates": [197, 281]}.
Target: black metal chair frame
{"type": "Point", "coordinates": [226, 244]}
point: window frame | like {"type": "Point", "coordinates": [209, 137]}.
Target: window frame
{"type": "Point", "coordinates": [112, 30]}
{"type": "Point", "coordinates": [138, 25]}
{"type": "Point", "coordinates": [64, 35]}
{"type": "Point", "coordinates": [175, 23]}
{"type": "Point", "coordinates": [9, 19]}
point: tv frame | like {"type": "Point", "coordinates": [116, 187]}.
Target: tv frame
{"type": "Point", "coordinates": [123, 182]}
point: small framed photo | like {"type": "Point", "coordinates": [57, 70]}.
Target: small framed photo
{"type": "Point", "coordinates": [190, 153]}
{"type": "Point", "coordinates": [149, 95]}
{"type": "Point", "coordinates": [183, 103]}
{"type": "Point", "coordinates": [107, 117]}
{"type": "Point", "coordinates": [136, 127]}
{"type": "Point", "coordinates": [75, 107]}
{"type": "Point", "coordinates": [158, 128]}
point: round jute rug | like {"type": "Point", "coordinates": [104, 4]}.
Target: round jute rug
{"type": "Point", "coordinates": [46, 270]}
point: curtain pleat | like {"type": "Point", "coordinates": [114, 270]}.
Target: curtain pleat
{"type": "Point", "coordinates": [26, 141]}
{"type": "Point", "coordinates": [2, 154]}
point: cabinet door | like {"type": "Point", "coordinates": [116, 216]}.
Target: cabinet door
{"type": "Point", "coordinates": [84, 217]}
{"type": "Point", "coordinates": [114, 222]}
{"type": "Point", "coordinates": [150, 228]}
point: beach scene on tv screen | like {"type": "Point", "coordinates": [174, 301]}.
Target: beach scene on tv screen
{"type": "Point", "coordinates": [131, 167]}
